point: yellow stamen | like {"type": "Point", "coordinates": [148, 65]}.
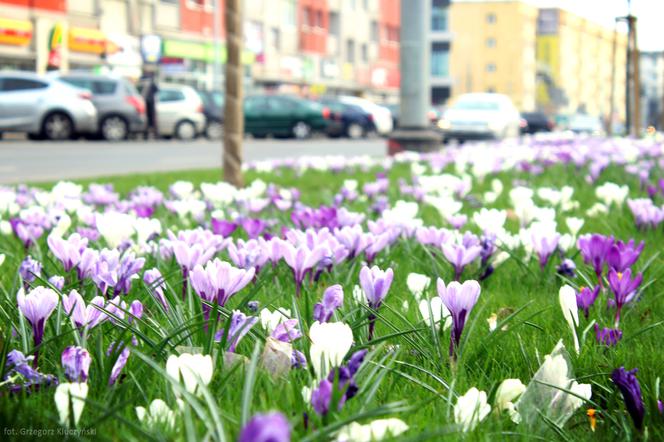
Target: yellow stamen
{"type": "Point", "coordinates": [619, 275]}
{"type": "Point", "coordinates": [592, 416]}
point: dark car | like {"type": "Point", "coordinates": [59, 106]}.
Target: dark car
{"type": "Point", "coordinates": [433, 114]}
{"type": "Point", "coordinates": [533, 122]}
{"type": "Point", "coordinates": [283, 116]}
{"type": "Point", "coordinates": [213, 108]}
{"type": "Point", "coordinates": [348, 119]}
{"type": "Point", "coordinates": [120, 108]}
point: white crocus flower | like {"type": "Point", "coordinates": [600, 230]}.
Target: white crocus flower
{"type": "Point", "coordinates": [490, 220]}
{"type": "Point", "coordinates": [2, 259]}
{"type": "Point", "coordinates": [190, 369]}
{"type": "Point", "coordinates": [182, 189]}
{"type": "Point", "coordinates": [574, 225]}
{"type": "Point", "coordinates": [508, 391]}
{"type": "Point", "coordinates": [145, 228]}
{"type": "Point", "coordinates": [438, 310]}
{"type": "Point", "coordinates": [471, 409]}
{"type": "Point", "coordinates": [417, 284]}
{"type": "Point", "coordinates": [115, 227]}
{"type": "Point", "coordinates": [374, 431]}
{"type": "Point", "coordinates": [62, 225]}
{"type": "Point", "coordinates": [330, 342]}
{"type": "Point", "coordinates": [5, 228]}
{"type": "Point", "coordinates": [158, 414]}
{"type": "Point", "coordinates": [73, 395]}
{"type": "Point", "coordinates": [597, 209]}
{"type": "Point", "coordinates": [358, 294]}
{"type": "Point", "coordinates": [271, 319]}
{"type": "Point", "coordinates": [611, 193]}
{"type": "Point", "coordinates": [567, 298]}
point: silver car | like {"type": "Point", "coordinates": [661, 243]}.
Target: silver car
{"type": "Point", "coordinates": [179, 112]}
{"type": "Point", "coordinates": [44, 107]}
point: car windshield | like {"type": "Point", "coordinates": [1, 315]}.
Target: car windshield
{"type": "Point", "coordinates": [476, 105]}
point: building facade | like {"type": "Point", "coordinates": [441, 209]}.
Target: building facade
{"type": "Point", "coordinates": [494, 49]}
{"type": "Point", "coordinates": [575, 66]}
{"type": "Point", "coordinates": [441, 40]}
{"type": "Point", "coordinates": [299, 46]}
{"type": "Point", "coordinates": [652, 89]}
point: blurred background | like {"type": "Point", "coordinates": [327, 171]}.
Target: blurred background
{"type": "Point", "coordinates": [112, 69]}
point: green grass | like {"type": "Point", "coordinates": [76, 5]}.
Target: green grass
{"type": "Point", "coordinates": [408, 373]}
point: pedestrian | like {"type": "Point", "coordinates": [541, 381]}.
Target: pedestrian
{"type": "Point", "coordinates": [150, 92]}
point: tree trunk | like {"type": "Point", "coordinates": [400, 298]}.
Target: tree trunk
{"type": "Point", "coordinates": [233, 114]}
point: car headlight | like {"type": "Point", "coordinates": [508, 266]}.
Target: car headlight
{"type": "Point", "coordinates": [443, 124]}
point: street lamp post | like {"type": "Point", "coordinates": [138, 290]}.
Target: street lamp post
{"type": "Point", "coordinates": [414, 132]}
{"type": "Point", "coordinates": [233, 115]}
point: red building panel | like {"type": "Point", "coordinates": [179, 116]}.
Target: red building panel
{"type": "Point", "coordinates": [49, 5]}
{"type": "Point", "coordinates": [196, 16]}
{"type": "Point", "coordinates": [313, 17]}
{"type": "Point", "coordinates": [388, 46]}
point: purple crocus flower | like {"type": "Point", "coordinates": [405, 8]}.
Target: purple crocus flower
{"type": "Point", "coordinates": [624, 288]}
{"type": "Point", "coordinates": [607, 336]}
{"type": "Point", "coordinates": [253, 226]}
{"type": "Point", "coordinates": [218, 281]}
{"type": "Point", "coordinates": [271, 427]}
{"type": "Point", "coordinates": [222, 227]}
{"type": "Point", "coordinates": [567, 268]}
{"type": "Point", "coordinates": [460, 256]}
{"type": "Point", "coordinates": [57, 281]}
{"type": "Point", "coordinates": [301, 260]}
{"type": "Point", "coordinates": [345, 378]}
{"type": "Point", "coordinates": [82, 316]}
{"type": "Point", "coordinates": [585, 298]}
{"type": "Point", "coordinates": [321, 397]}
{"type": "Point", "coordinates": [136, 309]}
{"type": "Point", "coordinates": [188, 257]}
{"type": "Point", "coordinates": [18, 363]}
{"type": "Point", "coordinates": [622, 256]}
{"type": "Point", "coordinates": [287, 331]}
{"type": "Point", "coordinates": [459, 300]}
{"type": "Point", "coordinates": [594, 250]}
{"type": "Point", "coordinates": [37, 306]}
{"type": "Point", "coordinates": [68, 251]}
{"type": "Point", "coordinates": [375, 284]}
{"type": "Point", "coordinates": [156, 284]}
{"type": "Point", "coordinates": [544, 244]}
{"type": "Point", "coordinates": [76, 362]}
{"type": "Point", "coordinates": [354, 239]}
{"type": "Point", "coordinates": [30, 269]}
{"type": "Point", "coordinates": [120, 362]}
{"type": "Point", "coordinates": [239, 327]}
{"type": "Point", "coordinates": [333, 298]}
{"type": "Point", "coordinates": [631, 391]}
{"type": "Point", "coordinates": [377, 242]}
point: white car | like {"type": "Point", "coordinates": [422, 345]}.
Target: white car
{"type": "Point", "coordinates": [179, 112]}
{"type": "Point", "coordinates": [480, 116]}
{"type": "Point", "coordinates": [382, 117]}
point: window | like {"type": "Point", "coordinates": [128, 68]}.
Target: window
{"type": "Point", "coordinates": [490, 67]}
{"type": "Point", "coordinates": [289, 12]}
{"type": "Point", "coordinates": [353, 4]}
{"type": "Point", "coordinates": [275, 38]}
{"type": "Point", "coordinates": [374, 31]}
{"type": "Point", "coordinates": [21, 84]}
{"type": "Point", "coordinates": [440, 60]}
{"type": "Point", "coordinates": [101, 87]}
{"type": "Point", "coordinates": [439, 16]}
{"type": "Point", "coordinates": [491, 18]}
{"type": "Point", "coordinates": [365, 4]}
{"type": "Point", "coordinates": [319, 19]}
{"type": "Point", "coordinates": [168, 95]}
{"type": "Point", "coordinates": [364, 52]}
{"type": "Point", "coordinates": [392, 33]}
{"type": "Point", "coordinates": [335, 29]}
{"type": "Point", "coordinates": [490, 42]}
{"type": "Point", "coordinates": [307, 18]}
{"type": "Point", "coordinates": [350, 51]}
{"type": "Point", "coordinates": [253, 104]}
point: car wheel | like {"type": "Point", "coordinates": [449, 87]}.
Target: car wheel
{"type": "Point", "coordinates": [214, 130]}
{"type": "Point", "coordinates": [185, 130]}
{"type": "Point", "coordinates": [354, 131]}
{"type": "Point", "coordinates": [301, 130]}
{"type": "Point", "coordinates": [114, 128]}
{"type": "Point", "coordinates": [57, 126]}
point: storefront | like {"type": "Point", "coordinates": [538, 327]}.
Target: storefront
{"type": "Point", "coordinates": [16, 52]}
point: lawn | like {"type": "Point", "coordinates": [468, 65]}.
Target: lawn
{"type": "Point", "coordinates": [342, 215]}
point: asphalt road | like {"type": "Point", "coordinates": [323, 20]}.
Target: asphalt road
{"type": "Point", "coordinates": [33, 161]}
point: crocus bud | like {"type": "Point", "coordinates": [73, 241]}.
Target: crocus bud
{"type": "Point", "coordinates": [507, 392]}
{"type": "Point", "coordinates": [272, 427]}
{"type": "Point", "coordinates": [57, 281]}
{"type": "Point", "coordinates": [76, 362]}
{"type": "Point", "coordinates": [70, 400]}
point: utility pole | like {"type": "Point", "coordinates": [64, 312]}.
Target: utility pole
{"type": "Point", "coordinates": [636, 80]}
{"type": "Point", "coordinates": [233, 114]}
{"type": "Point", "coordinates": [414, 131]}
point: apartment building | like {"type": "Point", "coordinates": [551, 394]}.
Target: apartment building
{"type": "Point", "coordinates": [652, 87]}
{"type": "Point", "coordinates": [494, 49]}
{"type": "Point", "coordinates": [441, 38]}
{"type": "Point", "coordinates": [300, 46]}
{"type": "Point", "coordinates": [575, 65]}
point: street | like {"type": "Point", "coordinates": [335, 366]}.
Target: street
{"type": "Point", "coordinates": [34, 161]}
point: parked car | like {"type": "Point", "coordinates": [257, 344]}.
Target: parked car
{"type": "Point", "coordinates": [434, 114]}
{"type": "Point", "coordinates": [348, 120]}
{"type": "Point", "coordinates": [382, 117]}
{"type": "Point", "coordinates": [44, 107]}
{"type": "Point", "coordinates": [213, 108]}
{"type": "Point", "coordinates": [283, 116]}
{"type": "Point", "coordinates": [586, 124]}
{"type": "Point", "coordinates": [180, 112]}
{"type": "Point", "coordinates": [120, 108]}
{"type": "Point", "coordinates": [480, 116]}
{"type": "Point", "coordinates": [533, 122]}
